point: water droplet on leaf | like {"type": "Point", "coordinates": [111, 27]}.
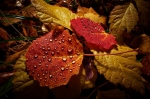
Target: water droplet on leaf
{"type": "Point", "coordinates": [64, 59]}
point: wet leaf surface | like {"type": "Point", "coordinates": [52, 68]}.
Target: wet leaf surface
{"type": "Point", "coordinates": [54, 58]}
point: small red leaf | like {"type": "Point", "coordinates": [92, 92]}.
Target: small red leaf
{"type": "Point", "coordinates": [54, 58]}
{"type": "Point", "coordinates": [94, 34]}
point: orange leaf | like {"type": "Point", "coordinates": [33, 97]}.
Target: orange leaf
{"type": "Point", "coordinates": [94, 34]}
{"type": "Point", "coordinates": [54, 58]}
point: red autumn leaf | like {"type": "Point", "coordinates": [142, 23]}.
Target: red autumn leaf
{"type": "Point", "coordinates": [94, 34]}
{"type": "Point", "coordinates": [54, 58]}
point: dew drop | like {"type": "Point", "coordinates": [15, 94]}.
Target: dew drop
{"type": "Point", "coordinates": [55, 39]}
{"type": "Point", "coordinates": [73, 62]}
{"type": "Point", "coordinates": [43, 74]}
{"type": "Point", "coordinates": [47, 43]}
{"type": "Point", "coordinates": [38, 75]}
{"type": "Point", "coordinates": [43, 48]}
{"type": "Point", "coordinates": [50, 76]}
{"type": "Point", "coordinates": [48, 48]}
{"type": "Point", "coordinates": [78, 53]}
{"type": "Point", "coordinates": [46, 39]}
{"type": "Point", "coordinates": [64, 77]}
{"type": "Point", "coordinates": [53, 53]}
{"type": "Point", "coordinates": [45, 77]}
{"type": "Point", "coordinates": [70, 56]}
{"type": "Point", "coordinates": [49, 59]}
{"type": "Point", "coordinates": [62, 68]}
{"type": "Point", "coordinates": [59, 42]}
{"type": "Point", "coordinates": [69, 50]}
{"type": "Point", "coordinates": [63, 40]}
{"type": "Point", "coordinates": [66, 68]}
{"type": "Point", "coordinates": [55, 48]}
{"type": "Point", "coordinates": [70, 70]}
{"type": "Point", "coordinates": [40, 61]}
{"type": "Point", "coordinates": [64, 59]}
{"type": "Point", "coordinates": [60, 74]}
{"type": "Point", "coordinates": [46, 52]}
{"type": "Point", "coordinates": [46, 72]}
{"type": "Point", "coordinates": [32, 48]}
{"type": "Point", "coordinates": [50, 40]}
{"type": "Point", "coordinates": [44, 57]}
{"type": "Point", "coordinates": [63, 35]}
{"type": "Point", "coordinates": [46, 65]}
{"type": "Point", "coordinates": [62, 48]}
{"type": "Point", "coordinates": [45, 80]}
{"type": "Point", "coordinates": [55, 80]}
{"type": "Point", "coordinates": [33, 72]}
{"type": "Point", "coordinates": [58, 52]}
{"type": "Point", "coordinates": [34, 66]}
{"type": "Point", "coordinates": [42, 69]}
{"type": "Point", "coordinates": [35, 56]}
{"type": "Point", "coordinates": [40, 64]}
{"type": "Point", "coordinates": [69, 39]}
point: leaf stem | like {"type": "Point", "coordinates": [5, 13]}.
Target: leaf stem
{"type": "Point", "coordinates": [111, 53]}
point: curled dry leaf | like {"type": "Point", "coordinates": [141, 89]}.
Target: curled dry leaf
{"type": "Point", "coordinates": [3, 34]}
{"type": "Point", "coordinates": [142, 42]}
{"type": "Point", "coordinates": [120, 68]}
{"type": "Point", "coordinates": [53, 13]}
{"type": "Point", "coordinates": [54, 58]}
{"type": "Point", "coordinates": [91, 14]}
{"type": "Point", "coordinates": [21, 79]}
{"type": "Point", "coordinates": [123, 17]}
{"type": "Point", "coordinates": [94, 34]}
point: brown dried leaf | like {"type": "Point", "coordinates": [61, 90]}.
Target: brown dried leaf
{"type": "Point", "coordinates": [142, 42]}
{"type": "Point", "coordinates": [7, 21]}
{"type": "Point", "coordinates": [14, 56]}
{"type": "Point", "coordinates": [3, 34]}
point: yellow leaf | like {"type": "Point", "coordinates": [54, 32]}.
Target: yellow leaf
{"type": "Point", "coordinates": [123, 17]}
{"type": "Point", "coordinates": [21, 78]}
{"type": "Point", "coordinates": [53, 13]}
{"type": "Point", "coordinates": [120, 69]}
{"type": "Point", "coordinates": [91, 14]}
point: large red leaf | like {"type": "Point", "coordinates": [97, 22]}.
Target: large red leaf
{"type": "Point", "coordinates": [54, 58]}
{"type": "Point", "coordinates": [94, 34]}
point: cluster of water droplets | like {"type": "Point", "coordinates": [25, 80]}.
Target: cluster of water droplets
{"type": "Point", "coordinates": [50, 53]}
